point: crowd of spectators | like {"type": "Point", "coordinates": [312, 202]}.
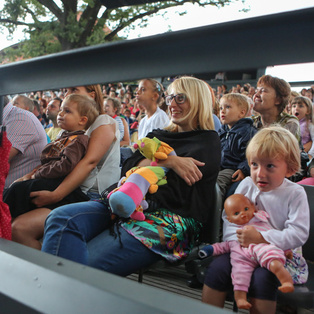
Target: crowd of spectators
{"type": "Point", "coordinates": [128, 113]}
{"type": "Point", "coordinates": [130, 107]}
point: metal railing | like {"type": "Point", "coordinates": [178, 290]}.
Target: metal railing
{"type": "Point", "coordinates": [246, 44]}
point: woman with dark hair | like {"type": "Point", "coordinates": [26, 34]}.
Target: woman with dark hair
{"type": "Point", "coordinates": [98, 169]}
{"type": "Point", "coordinates": [271, 98]}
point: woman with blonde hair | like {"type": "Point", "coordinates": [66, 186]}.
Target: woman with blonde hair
{"type": "Point", "coordinates": [177, 211]}
{"type": "Point", "coordinates": [199, 115]}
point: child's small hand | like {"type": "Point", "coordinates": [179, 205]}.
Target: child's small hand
{"type": "Point", "coordinates": [288, 254]}
{"type": "Point", "coordinates": [248, 235]}
{"type": "Point", "coordinates": [238, 176]}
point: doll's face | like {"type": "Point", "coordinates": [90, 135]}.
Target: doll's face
{"type": "Point", "coordinates": [239, 209]}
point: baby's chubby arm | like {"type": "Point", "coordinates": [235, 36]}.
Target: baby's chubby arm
{"type": "Point", "coordinates": [215, 249]}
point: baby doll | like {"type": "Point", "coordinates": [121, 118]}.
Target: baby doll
{"type": "Point", "coordinates": [241, 211]}
{"type": "Point", "coordinates": [128, 199]}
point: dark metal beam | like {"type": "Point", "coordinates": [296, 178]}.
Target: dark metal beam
{"type": "Point", "coordinates": [35, 281]}
{"type": "Point", "coordinates": [239, 45]}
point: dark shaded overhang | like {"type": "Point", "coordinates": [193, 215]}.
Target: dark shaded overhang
{"type": "Point", "coordinates": [245, 44]}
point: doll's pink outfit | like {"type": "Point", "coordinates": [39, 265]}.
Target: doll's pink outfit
{"type": "Point", "coordinates": [245, 260]}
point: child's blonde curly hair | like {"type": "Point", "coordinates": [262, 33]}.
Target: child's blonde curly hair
{"type": "Point", "coordinates": [276, 142]}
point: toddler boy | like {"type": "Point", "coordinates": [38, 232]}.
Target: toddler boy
{"type": "Point", "coordinates": [58, 158]}
{"type": "Point", "coordinates": [235, 133]}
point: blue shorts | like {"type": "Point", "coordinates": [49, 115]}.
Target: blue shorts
{"type": "Point", "coordinates": [264, 284]}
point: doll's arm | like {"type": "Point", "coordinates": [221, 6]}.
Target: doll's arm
{"type": "Point", "coordinates": [215, 249]}
{"type": "Point", "coordinates": [206, 251]}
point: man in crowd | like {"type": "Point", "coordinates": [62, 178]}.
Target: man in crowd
{"type": "Point", "coordinates": [27, 137]}
{"type": "Point", "coordinates": [53, 109]}
{"type": "Point", "coordinates": [23, 102]}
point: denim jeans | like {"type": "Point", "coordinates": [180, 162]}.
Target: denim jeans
{"type": "Point", "coordinates": [79, 232]}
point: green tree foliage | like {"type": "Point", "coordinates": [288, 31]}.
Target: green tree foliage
{"type": "Point", "coordinates": [53, 26]}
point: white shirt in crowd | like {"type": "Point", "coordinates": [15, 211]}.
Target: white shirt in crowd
{"type": "Point", "coordinates": [158, 120]}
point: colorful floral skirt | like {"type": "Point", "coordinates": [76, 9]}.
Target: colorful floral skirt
{"type": "Point", "coordinates": [165, 233]}
{"type": "Point", "coordinates": [297, 267]}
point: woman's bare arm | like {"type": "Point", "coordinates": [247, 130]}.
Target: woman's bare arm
{"type": "Point", "coordinates": [99, 143]}
{"type": "Point", "coordinates": [126, 137]}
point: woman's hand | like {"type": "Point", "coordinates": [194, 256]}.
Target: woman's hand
{"type": "Point", "coordinates": [42, 198]}
{"type": "Point", "coordinates": [184, 167]}
{"type": "Point", "coordinates": [248, 235]}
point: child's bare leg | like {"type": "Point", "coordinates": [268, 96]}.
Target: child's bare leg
{"type": "Point", "coordinates": [241, 299]}
{"type": "Point", "coordinates": [283, 276]}
{"type": "Point", "coordinates": [28, 228]}
{"type": "Point", "coordinates": [213, 297]}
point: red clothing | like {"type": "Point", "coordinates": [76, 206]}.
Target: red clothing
{"type": "Point", "coordinates": [5, 216]}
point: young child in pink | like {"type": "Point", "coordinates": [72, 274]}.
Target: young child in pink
{"type": "Point", "coordinates": [241, 211]}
